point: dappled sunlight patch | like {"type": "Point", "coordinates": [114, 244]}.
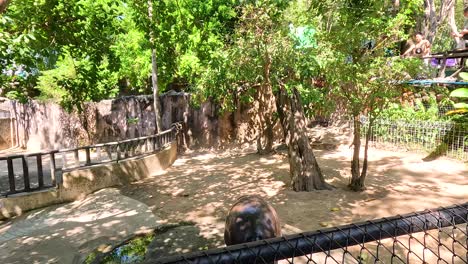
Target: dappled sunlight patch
{"type": "Point", "coordinates": [454, 189]}
{"type": "Point", "coordinates": [396, 184]}
{"type": "Point", "coordinates": [75, 230]}
{"type": "Point", "coordinates": [177, 191]}
{"type": "Point", "coordinates": [4, 228]}
{"type": "Point", "coordinates": [111, 223]}
{"type": "Point", "coordinates": [204, 157]}
{"type": "Point", "coordinates": [29, 240]}
{"type": "Point", "coordinates": [267, 161]}
{"type": "Point", "coordinates": [273, 189]}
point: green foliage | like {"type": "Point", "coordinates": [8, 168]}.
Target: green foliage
{"type": "Point", "coordinates": [44, 37]}
{"type": "Point", "coordinates": [132, 50]}
{"type": "Point", "coordinates": [362, 33]}
{"type": "Point", "coordinates": [190, 37]}
{"type": "Point", "coordinates": [459, 93]}
{"type": "Point", "coordinates": [460, 114]}
{"type": "Point", "coordinates": [133, 120]}
{"type": "Point", "coordinates": [132, 252]}
{"type": "Point", "coordinates": [48, 81]}
{"type": "Point", "coordinates": [252, 57]}
{"type": "Point", "coordinates": [419, 113]}
{"type": "Point", "coordinates": [96, 49]}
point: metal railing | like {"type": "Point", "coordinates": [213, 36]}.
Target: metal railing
{"type": "Point", "coordinates": [42, 170]}
{"type": "Point", "coordinates": [431, 236]}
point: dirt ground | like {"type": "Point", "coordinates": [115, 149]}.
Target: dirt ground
{"type": "Point", "coordinates": [201, 186]}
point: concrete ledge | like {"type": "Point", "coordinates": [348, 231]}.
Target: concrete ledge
{"type": "Point", "coordinates": [76, 184]}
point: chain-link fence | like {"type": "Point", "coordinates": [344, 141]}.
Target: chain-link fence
{"type": "Point", "coordinates": [431, 236]}
{"type": "Point", "coordinates": [435, 137]}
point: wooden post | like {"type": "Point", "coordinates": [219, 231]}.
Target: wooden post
{"type": "Point", "coordinates": [40, 174]}
{"type": "Point", "coordinates": [118, 152]}
{"type": "Point", "coordinates": [88, 156]}
{"type": "Point", "coordinates": [109, 152]}
{"type": "Point", "coordinates": [53, 169]}
{"type": "Point", "coordinates": [64, 159]}
{"type": "Point", "coordinates": [98, 153]}
{"type": "Point", "coordinates": [27, 185]}
{"type": "Point", "coordinates": [11, 175]}
{"type": "Point", "coordinates": [444, 66]}
{"type": "Point", "coordinates": [77, 158]}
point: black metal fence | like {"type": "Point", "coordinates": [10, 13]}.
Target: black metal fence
{"type": "Point", "coordinates": [431, 236]}
{"type": "Point", "coordinates": [445, 138]}
{"type": "Point", "coordinates": [42, 170]}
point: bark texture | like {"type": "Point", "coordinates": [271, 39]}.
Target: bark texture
{"type": "Point", "coordinates": [304, 170]}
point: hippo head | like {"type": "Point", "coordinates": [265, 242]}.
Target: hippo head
{"type": "Point", "coordinates": [251, 219]}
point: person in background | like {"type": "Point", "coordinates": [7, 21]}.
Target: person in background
{"type": "Point", "coordinates": [419, 48]}
{"type": "Point", "coordinates": [464, 32]}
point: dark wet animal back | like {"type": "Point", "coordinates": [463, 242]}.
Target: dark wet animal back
{"type": "Point", "coordinates": [251, 218]}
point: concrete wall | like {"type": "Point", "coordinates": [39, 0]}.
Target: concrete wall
{"type": "Point", "coordinates": [44, 125]}
{"type": "Point", "coordinates": [77, 184]}
{"type": "Point", "coordinates": [6, 140]}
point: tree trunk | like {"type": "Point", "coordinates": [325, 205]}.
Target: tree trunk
{"type": "Point", "coordinates": [453, 26]}
{"type": "Point", "coordinates": [303, 167]}
{"type": "Point", "coordinates": [432, 20]}
{"type": "Point", "coordinates": [154, 72]}
{"type": "Point", "coordinates": [355, 166]}
{"type": "Point", "coordinates": [266, 108]}
{"type": "Point", "coordinates": [366, 156]}
{"type": "Point", "coordinates": [3, 5]}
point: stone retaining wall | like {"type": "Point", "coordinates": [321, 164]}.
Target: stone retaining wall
{"type": "Point", "coordinates": [43, 125]}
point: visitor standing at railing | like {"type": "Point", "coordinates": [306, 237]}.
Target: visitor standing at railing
{"type": "Point", "coordinates": [420, 47]}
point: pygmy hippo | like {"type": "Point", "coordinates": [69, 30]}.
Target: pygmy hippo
{"type": "Point", "coordinates": [251, 218]}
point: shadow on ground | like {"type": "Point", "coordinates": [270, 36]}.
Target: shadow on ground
{"type": "Point", "coordinates": [202, 186]}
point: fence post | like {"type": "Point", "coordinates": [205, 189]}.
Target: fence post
{"type": "Point", "coordinates": [53, 169]}
{"type": "Point", "coordinates": [27, 185]}
{"type": "Point", "coordinates": [11, 175]}
{"type": "Point", "coordinates": [109, 152]}
{"type": "Point", "coordinates": [133, 147]}
{"type": "Point", "coordinates": [64, 159]}
{"type": "Point", "coordinates": [40, 174]}
{"type": "Point", "coordinates": [77, 157]}
{"type": "Point", "coordinates": [88, 156]}
{"type": "Point", "coordinates": [98, 153]}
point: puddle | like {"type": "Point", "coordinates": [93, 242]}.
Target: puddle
{"type": "Point", "coordinates": [167, 240]}
{"type": "Point", "coordinates": [132, 252]}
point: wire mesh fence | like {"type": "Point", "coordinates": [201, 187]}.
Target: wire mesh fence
{"type": "Point", "coordinates": [437, 137]}
{"type": "Point", "coordinates": [431, 236]}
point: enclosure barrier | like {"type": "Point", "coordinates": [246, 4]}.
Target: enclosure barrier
{"type": "Point", "coordinates": [442, 138]}
{"type": "Point", "coordinates": [41, 170]}
{"type": "Point", "coordinates": [430, 236]}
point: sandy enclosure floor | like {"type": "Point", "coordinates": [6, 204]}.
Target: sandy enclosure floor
{"type": "Point", "coordinates": [201, 186]}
